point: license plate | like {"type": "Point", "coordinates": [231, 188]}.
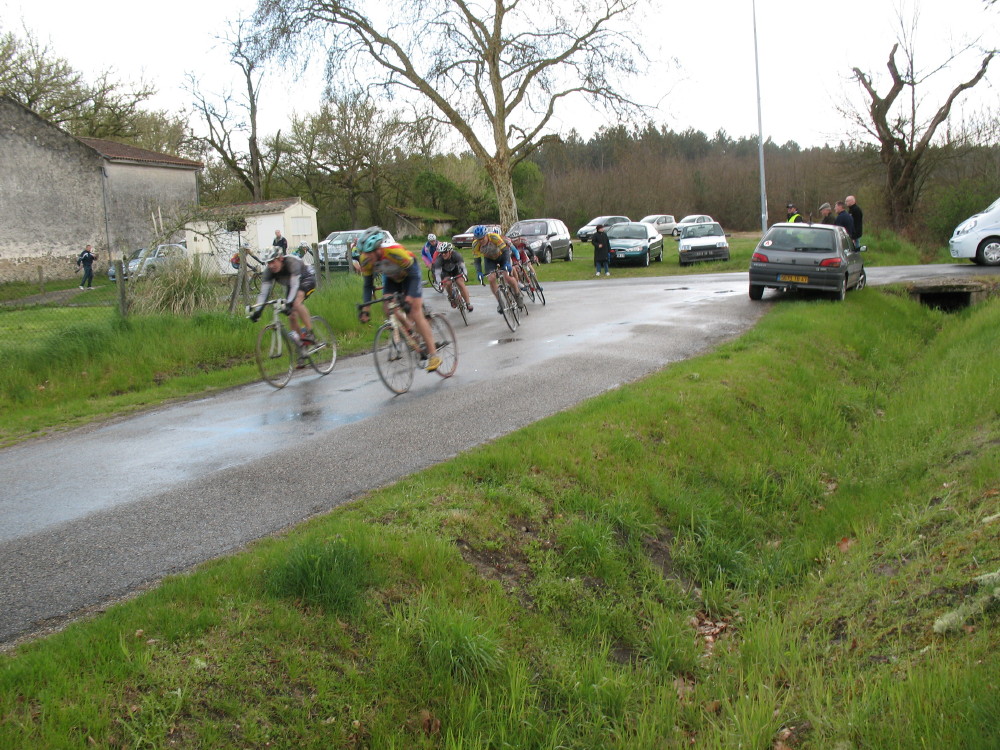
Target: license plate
{"type": "Point", "coordinates": [619, 255]}
{"type": "Point", "coordinates": [795, 279]}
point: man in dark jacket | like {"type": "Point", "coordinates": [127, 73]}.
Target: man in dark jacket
{"type": "Point", "coordinates": [857, 216]}
{"type": "Point", "coordinates": [844, 218]}
{"type": "Point", "coordinates": [793, 214]}
{"type": "Point", "coordinates": [602, 250]}
{"type": "Point", "coordinates": [826, 214]}
{"type": "Point", "coordinates": [85, 260]}
{"type": "Point", "coordinates": [280, 241]}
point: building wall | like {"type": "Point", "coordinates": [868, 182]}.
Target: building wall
{"type": "Point", "coordinates": [139, 192]}
{"type": "Point", "coordinates": [51, 203]}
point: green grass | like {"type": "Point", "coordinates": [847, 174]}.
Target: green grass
{"type": "Point", "coordinates": [748, 549]}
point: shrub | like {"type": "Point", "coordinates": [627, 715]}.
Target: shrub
{"type": "Point", "coordinates": [180, 288]}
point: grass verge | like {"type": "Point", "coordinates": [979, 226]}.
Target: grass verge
{"type": "Point", "coordinates": [748, 549]}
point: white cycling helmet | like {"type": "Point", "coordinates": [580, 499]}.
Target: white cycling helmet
{"type": "Point", "coordinates": [432, 238]}
{"type": "Point", "coordinates": [270, 254]}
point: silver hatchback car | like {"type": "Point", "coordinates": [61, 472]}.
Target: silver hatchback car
{"type": "Point", "coordinates": [806, 256]}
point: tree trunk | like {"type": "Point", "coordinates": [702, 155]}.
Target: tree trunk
{"type": "Point", "coordinates": [499, 171]}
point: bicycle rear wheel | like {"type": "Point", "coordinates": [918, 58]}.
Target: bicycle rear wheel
{"type": "Point", "coordinates": [433, 281]}
{"type": "Point", "coordinates": [276, 355]}
{"type": "Point", "coordinates": [508, 307]}
{"type": "Point", "coordinates": [395, 362]}
{"type": "Point", "coordinates": [533, 278]}
{"type": "Point", "coordinates": [445, 343]}
{"type": "Point", "coordinates": [524, 281]}
{"type": "Point", "coordinates": [323, 354]}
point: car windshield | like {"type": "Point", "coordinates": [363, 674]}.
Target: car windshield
{"type": "Point", "coordinates": [527, 228]}
{"type": "Point", "coordinates": [627, 232]}
{"type": "Point", "coordinates": [137, 254]}
{"type": "Point", "coordinates": [655, 218]}
{"type": "Point", "coordinates": [599, 220]}
{"type": "Point", "coordinates": [331, 237]}
{"type": "Point", "coordinates": [344, 238]}
{"type": "Point", "coordinates": [805, 239]}
{"type": "Point", "coordinates": [690, 219]}
{"type": "Point", "coordinates": [702, 230]}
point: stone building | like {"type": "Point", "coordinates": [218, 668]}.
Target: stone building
{"type": "Point", "coordinates": [59, 193]}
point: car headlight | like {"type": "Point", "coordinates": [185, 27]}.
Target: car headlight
{"type": "Point", "coordinates": [535, 245]}
{"type": "Point", "coordinates": [684, 247]}
{"type": "Point", "coordinates": [721, 244]}
{"type": "Point", "coordinates": [966, 227]}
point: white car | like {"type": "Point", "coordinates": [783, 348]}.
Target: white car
{"type": "Point", "coordinates": [663, 223]}
{"type": "Point", "coordinates": [693, 219]}
{"type": "Point", "coordinates": [335, 250]}
{"type": "Point", "coordinates": [978, 237]}
{"type": "Point", "coordinates": [704, 241]}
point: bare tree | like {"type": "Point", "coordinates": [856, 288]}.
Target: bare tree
{"type": "Point", "coordinates": [230, 114]}
{"type": "Point", "coordinates": [495, 72]}
{"type": "Point", "coordinates": [895, 120]}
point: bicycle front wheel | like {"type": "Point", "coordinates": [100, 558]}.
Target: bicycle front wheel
{"type": "Point", "coordinates": [275, 355]}
{"type": "Point", "coordinates": [395, 362]}
{"type": "Point", "coordinates": [445, 343]}
{"type": "Point", "coordinates": [323, 354]}
{"type": "Point", "coordinates": [524, 281]}
{"type": "Point", "coordinates": [433, 281]}
{"type": "Point", "coordinates": [507, 305]}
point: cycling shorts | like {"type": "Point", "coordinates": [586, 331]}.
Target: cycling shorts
{"type": "Point", "coordinates": [503, 261]}
{"type": "Point", "coordinates": [411, 286]}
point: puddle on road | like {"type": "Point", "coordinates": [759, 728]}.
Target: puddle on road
{"type": "Point", "coordinates": [677, 289]}
{"type": "Point", "coordinates": [495, 342]}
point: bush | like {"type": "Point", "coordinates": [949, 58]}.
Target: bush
{"type": "Point", "coordinates": [181, 288]}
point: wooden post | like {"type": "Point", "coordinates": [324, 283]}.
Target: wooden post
{"type": "Point", "coordinates": [120, 283]}
{"type": "Point", "coordinates": [41, 280]}
{"type": "Point", "coordinates": [239, 288]}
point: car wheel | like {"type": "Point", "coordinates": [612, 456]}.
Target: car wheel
{"type": "Point", "coordinates": [862, 281]}
{"type": "Point", "coordinates": [547, 255]}
{"type": "Point", "coordinates": [988, 253]}
{"type": "Point", "coordinates": [675, 232]}
{"type": "Point", "coordinates": [756, 292]}
{"type": "Point", "coordinates": [569, 254]}
{"type": "Point", "coordinates": [841, 292]}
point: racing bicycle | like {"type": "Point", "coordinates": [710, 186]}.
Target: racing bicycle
{"type": "Point", "coordinates": [279, 354]}
{"type": "Point", "coordinates": [398, 348]}
{"type": "Point", "coordinates": [506, 299]}
{"type": "Point", "coordinates": [457, 300]}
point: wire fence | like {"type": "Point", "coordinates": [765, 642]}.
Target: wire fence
{"type": "Point", "coordinates": [33, 309]}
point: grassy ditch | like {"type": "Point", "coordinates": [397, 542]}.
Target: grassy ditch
{"type": "Point", "coordinates": [786, 543]}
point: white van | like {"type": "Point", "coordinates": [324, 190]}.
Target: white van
{"type": "Point", "coordinates": [978, 237]}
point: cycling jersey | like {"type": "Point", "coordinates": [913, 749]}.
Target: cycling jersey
{"type": "Point", "coordinates": [393, 261]}
{"type": "Point", "coordinates": [451, 267]}
{"type": "Point", "coordinates": [491, 246]}
{"type": "Point", "coordinates": [294, 275]}
{"type": "Point", "coordinates": [428, 251]}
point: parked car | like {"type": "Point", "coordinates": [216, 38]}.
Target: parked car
{"type": "Point", "coordinates": [161, 258]}
{"type": "Point", "coordinates": [806, 256]}
{"type": "Point", "coordinates": [634, 242]}
{"type": "Point", "coordinates": [702, 242]}
{"type": "Point", "coordinates": [335, 250]}
{"type": "Point", "coordinates": [465, 238]}
{"type": "Point", "coordinates": [544, 238]}
{"type": "Point", "coordinates": [588, 229]}
{"type": "Point", "coordinates": [664, 223]}
{"type": "Point", "coordinates": [978, 237]}
{"type": "Point", "coordinates": [693, 219]}
{"type": "Point", "coordinates": [129, 266]}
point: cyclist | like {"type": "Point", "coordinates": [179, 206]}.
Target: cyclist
{"type": "Point", "coordinates": [299, 282]}
{"type": "Point", "coordinates": [496, 249]}
{"type": "Point", "coordinates": [380, 253]}
{"type": "Point", "coordinates": [235, 260]}
{"type": "Point", "coordinates": [429, 248]}
{"type": "Point", "coordinates": [449, 268]}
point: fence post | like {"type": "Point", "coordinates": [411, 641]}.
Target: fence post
{"type": "Point", "coordinates": [41, 280]}
{"type": "Point", "coordinates": [239, 287]}
{"type": "Point", "coordinates": [120, 283]}
{"type": "Point", "coordinates": [317, 271]}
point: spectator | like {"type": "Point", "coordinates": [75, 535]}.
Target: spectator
{"type": "Point", "coordinates": [793, 214]}
{"type": "Point", "coordinates": [857, 216]}
{"type": "Point", "coordinates": [844, 218]}
{"type": "Point", "coordinates": [280, 241]}
{"type": "Point", "coordinates": [602, 250]}
{"type": "Point", "coordinates": [85, 260]}
{"type": "Point", "coordinates": [826, 214]}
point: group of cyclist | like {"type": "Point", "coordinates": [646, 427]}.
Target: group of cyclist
{"type": "Point", "coordinates": [376, 252]}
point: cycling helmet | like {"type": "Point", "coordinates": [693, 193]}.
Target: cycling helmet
{"type": "Point", "coordinates": [445, 247]}
{"type": "Point", "coordinates": [479, 232]}
{"type": "Point", "coordinates": [271, 253]}
{"type": "Point", "coordinates": [370, 240]}
{"type": "Point", "coordinates": [432, 237]}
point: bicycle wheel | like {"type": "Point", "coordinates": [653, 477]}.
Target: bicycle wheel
{"type": "Point", "coordinates": [323, 354]}
{"type": "Point", "coordinates": [255, 283]}
{"type": "Point", "coordinates": [394, 360]}
{"type": "Point", "coordinates": [463, 309]}
{"type": "Point", "coordinates": [533, 277]}
{"type": "Point", "coordinates": [276, 355]}
{"type": "Point", "coordinates": [525, 283]}
{"type": "Point", "coordinates": [507, 305]}
{"type": "Point", "coordinates": [433, 281]}
{"type": "Point", "coordinates": [445, 343]}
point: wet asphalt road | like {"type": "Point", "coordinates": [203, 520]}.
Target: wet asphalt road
{"type": "Point", "coordinates": [199, 479]}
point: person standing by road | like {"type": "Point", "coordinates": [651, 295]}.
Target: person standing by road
{"type": "Point", "coordinates": [857, 216]}
{"type": "Point", "coordinates": [280, 242]}
{"type": "Point", "coordinates": [793, 213]}
{"type": "Point", "coordinates": [826, 214]}
{"type": "Point", "coordinates": [85, 260]}
{"type": "Point", "coordinates": [844, 218]}
{"type": "Point", "coordinates": [602, 250]}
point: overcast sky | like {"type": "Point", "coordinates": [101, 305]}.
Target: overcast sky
{"type": "Point", "coordinates": [806, 52]}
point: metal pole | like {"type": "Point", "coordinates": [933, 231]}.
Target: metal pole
{"type": "Point", "coordinates": [760, 129]}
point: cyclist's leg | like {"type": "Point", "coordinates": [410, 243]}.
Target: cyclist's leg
{"type": "Point", "coordinates": [300, 319]}
{"type": "Point", "coordinates": [464, 291]}
{"type": "Point", "coordinates": [415, 299]}
{"type": "Point", "coordinates": [446, 284]}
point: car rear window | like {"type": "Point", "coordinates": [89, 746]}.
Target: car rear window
{"type": "Point", "coordinates": [528, 227]}
{"type": "Point", "coordinates": [803, 240]}
{"type": "Point", "coordinates": [702, 230]}
{"type": "Point", "coordinates": [627, 232]}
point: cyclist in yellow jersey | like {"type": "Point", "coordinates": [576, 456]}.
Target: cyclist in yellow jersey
{"type": "Point", "coordinates": [496, 250]}
{"type": "Point", "coordinates": [380, 253]}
